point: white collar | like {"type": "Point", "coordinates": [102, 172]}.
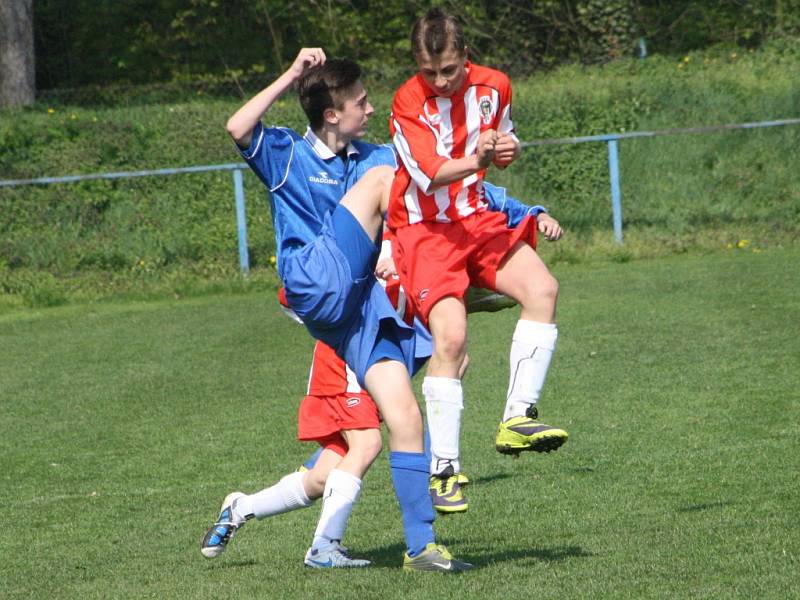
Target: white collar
{"type": "Point", "coordinates": [320, 148]}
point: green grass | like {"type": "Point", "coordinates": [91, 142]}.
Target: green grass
{"type": "Point", "coordinates": [122, 426]}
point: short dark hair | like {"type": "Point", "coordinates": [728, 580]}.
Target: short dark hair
{"type": "Point", "coordinates": [436, 32]}
{"type": "Point", "coordinates": [326, 87]}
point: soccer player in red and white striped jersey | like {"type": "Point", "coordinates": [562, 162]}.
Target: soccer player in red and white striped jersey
{"type": "Point", "coordinates": [450, 123]}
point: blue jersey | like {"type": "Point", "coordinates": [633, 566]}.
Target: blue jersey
{"type": "Point", "coordinates": [306, 180]}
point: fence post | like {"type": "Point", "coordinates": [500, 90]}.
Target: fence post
{"type": "Point", "coordinates": [616, 201]}
{"type": "Point", "coordinates": [241, 220]}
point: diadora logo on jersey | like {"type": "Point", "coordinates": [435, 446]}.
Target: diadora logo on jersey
{"type": "Point", "coordinates": [323, 178]}
{"type": "Point", "coordinates": [351, 402]}
{"type": "Point", "coordinates": [423, 294]}
{"type": "Point", "coordinates": [486, 109]}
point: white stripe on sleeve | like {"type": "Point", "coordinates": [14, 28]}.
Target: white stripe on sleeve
{"type": "Point", "coordinates": [403, 149]}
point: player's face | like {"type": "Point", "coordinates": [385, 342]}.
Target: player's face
{"type": "Point", "coordinates": [354, 112]}
{"type": "Point", "coordinates": [445, 72]}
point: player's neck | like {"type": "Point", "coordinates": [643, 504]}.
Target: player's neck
{"type": "Point", "coordinates": [333, 139]}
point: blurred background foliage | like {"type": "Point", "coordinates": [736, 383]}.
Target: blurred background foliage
{"type": "Point", "coordinates": [101, 42]}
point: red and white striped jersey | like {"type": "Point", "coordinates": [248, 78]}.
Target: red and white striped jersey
{"type": "Point", "coordinates": [428, 130]}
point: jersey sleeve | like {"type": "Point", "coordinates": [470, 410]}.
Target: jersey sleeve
{"type": "Point", "coordinates": [506, 125]}
{"type": "Point", "coordinates": [386, 155]}
{"type": "Point", "coordinates": [270, 155]}
{"type": "Point", "coordinates": [414, 139]}
{"type": "Point", "coordinates": [499, 201]}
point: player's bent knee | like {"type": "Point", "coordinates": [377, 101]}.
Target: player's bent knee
{"type": "Point", "coordinates": [541, 290]}
{"type": "Point", "coordinates": [314, 482]}
{"type": "Point", "coordinates": [450, 343]}
{"type": "Point", "coordinates": [404, 420]}
{"type": "Point", "coordinates": [549, 287]}
{"type": "Point", "coordinates": [378, 178]}
{"type": "Point", "coordinates": [366, 442]}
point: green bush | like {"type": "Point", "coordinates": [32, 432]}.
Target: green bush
{"type": "Point", "coordinates": [38, 289]}
{"type": "Point", "coordinates": [676, 190]}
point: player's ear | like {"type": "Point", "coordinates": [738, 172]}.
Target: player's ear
{"type": "Point", "coordinates": [330, 116]}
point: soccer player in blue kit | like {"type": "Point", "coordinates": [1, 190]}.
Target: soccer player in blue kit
{"type": "Point", "coordinates": [327, 245]}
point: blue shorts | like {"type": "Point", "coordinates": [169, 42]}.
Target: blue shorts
{"type": "Point", "coordinates": [331, 286]}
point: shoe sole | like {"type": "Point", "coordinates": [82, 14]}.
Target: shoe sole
{"type": "Point", "coordinates": [429, 568]}
{"type": "Point", "coordinates": [548, 443]}
{"type": "Point", "coordinates": [451, 510]}
{"type": "Point", "coordinates": [324, 567]}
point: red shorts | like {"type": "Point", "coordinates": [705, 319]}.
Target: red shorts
{"type": "Point", "coordinates": [335, 442]}
{"type": "Point", "coordinates": [321, 417]}
{"type": "Point", "coordinates": [437, 260]}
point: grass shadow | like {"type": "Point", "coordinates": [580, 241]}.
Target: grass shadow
{"type": "Point", "coordinates": [387, 556]}
{"type": "Point", "coordinates": [490, 478]}
{"type": "Point", "coordinates": [234, 564]}
{"type": "Point", "coordinates": [704, 506]}
{"type": "Point", "coordinates": [550, 555]}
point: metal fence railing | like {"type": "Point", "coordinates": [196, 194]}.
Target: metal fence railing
{"type": "Point", "coordinates": [611, 139]}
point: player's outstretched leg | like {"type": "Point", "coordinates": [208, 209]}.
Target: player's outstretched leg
{"type": "Point", "coordinates": [217, 537]}
{"type": "Point", "coordinates": [290, 493]}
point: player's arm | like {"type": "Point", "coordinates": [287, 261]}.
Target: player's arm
{"type": "Point", "coordinates": [456, 169]}
{"type": "Point", "coordinates": [506, 150]}
{"type": "Point", "coordinates": [548, 226]}
{"type": "Point", "coordinates": [240, 126]}
{"type": "Point", "coordinates": [385, 267]}
{"type": "Point", "coordinates": [499, 201]}
{"type": "Point", "coordinates": [416, 145]}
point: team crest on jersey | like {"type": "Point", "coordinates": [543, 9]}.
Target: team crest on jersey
{"type": "Point", "coordinates": [351, 402]}
{"type": "Point", "coordinates": [323, 178]}
{"type": "Point", "coordinates": [486, 109]}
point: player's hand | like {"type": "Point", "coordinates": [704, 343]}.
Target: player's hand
{"type": "Point", "coordinates": [549, 227]}
{"type": "Point", "coordinates": [386, 268]}
{"type": "Point", "coordinates": [307, 58]}
{"type": "Point", "coordinates": [506, 150]}
{"type": "Point", "coordinates": [486, 148]}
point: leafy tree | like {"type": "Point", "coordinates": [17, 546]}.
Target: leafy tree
{"type": "Point", "coordinates": [82, 42]}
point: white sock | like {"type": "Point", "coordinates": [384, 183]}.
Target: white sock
{"type": "Point", "coordinates": [341, 492]}
{"type": "Point", "coordinates": [444, 401]}
{"type": "Point", "coordinates": [288, 494]}
{"type": "Point", "coordinates": [532, 349]}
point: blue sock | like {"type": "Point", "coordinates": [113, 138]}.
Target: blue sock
{"type": "Point", "coordinates": [312, 460]}
{"type": "Point", "coordinates": [410, 479]}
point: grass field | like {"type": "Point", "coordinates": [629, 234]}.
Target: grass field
{"type": "Point", "coordinates": [122, 426]}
